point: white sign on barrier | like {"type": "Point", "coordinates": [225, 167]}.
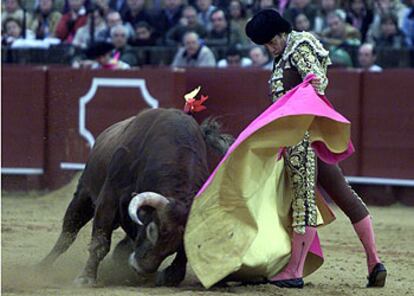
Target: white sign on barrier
{"type": "Point", "coordinates": [105, 82]}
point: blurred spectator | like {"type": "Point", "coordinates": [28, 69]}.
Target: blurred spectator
{"type": "Point", "coordinates": [408, 25]}
{"type": "Point", "coordinates": [136, 13]}
{"type": "Point", "coordinates": [383, 7]}
{"type": "Point", "coordinates": [102, 5]}
{"type": "Point", "coordinates": [266, 4]}
{"type": "Point", "coordinates": [194, 53]}
{"type": "Point", "coordinates": [144, 35]}
{"type": "Point", "coordinates": [188, 22]}
{"type": "Point", "coordinates": [83, 35]}
{"type": "Point", "coordinates": [301, 6]}
{"type": "Point", "coordinates": [13, 9]}
{"type": "Point", "coordinates": [45, 19]}
{"type": "Point", "coordinates": [260, 58]}
{"type": "Point", "coordinates": [238, 18]}
{"type": "Point", "coordinates": [100, 56]}
{"type": "Point", "coordinates": [234, 59]}
{"type": "Point", "coordinates": [340, 38]}
{"type": "Point", "coordinates": [12, 29]}
{"type": "Point", "coordinates": [390, 36]}
{"type": "Point", "coordinates": [326, 7]}
{"type": "Point", "coordinates": [71, 21]}
{"type": "Point", "coordinates": [367, 56]}
{"type": "Point", "coordinates": [113, 18]}
{"type": "Point", "coordinates": [282, 5]}
{"type": "Point", "coordinates": [127, 54]}
{"type": "Point", "coordinates": [205, 8]}
{"type": "Point", "coordinates": [223, 4]}
{"type": "Point", "coordinates": [360, 16]}
{"type": "Point", "coordinates": [221, 33]}
{"type": "Point", "coordinates": [169, 16]}
{"type": "Point", "coordinates": [66, 6]}
{"type": "Point", "coordinates": [339, 33]}
{"type": "Point", "coordinates": [120, 6]}
{"type": "Point", "coordinates": [301, 23]}
{"type": "Point", "coordinates": [340, 58]}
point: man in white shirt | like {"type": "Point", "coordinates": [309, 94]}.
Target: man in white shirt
{"type": "Point", "coordinates": [194, 53]}
{"type": "Point", "coordinates": [367, 57]}
{"type": "Point", "coordinates": [234, 59]}
{"type": "Point", "coordinates": [260, 58]}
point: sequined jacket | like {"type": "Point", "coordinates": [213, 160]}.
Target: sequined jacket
{"type": "Point", "coordinates": [303, 54]}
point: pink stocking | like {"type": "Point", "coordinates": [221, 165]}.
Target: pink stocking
{"type": "Point", "coordinates": [365, 233]}
{"type": "Point", "coordinates": [300, 247]}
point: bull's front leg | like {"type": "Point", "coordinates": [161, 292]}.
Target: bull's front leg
{"type": "Point", "coordinates": [103, 225]}
{"type": "Point", "coordinates": [174, 274]}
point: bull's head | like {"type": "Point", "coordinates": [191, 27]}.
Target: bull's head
{"type": "Point", "coordinates": [160, 236]}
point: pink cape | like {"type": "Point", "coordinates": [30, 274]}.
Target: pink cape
{"type": "Point", "coordinates": [298, 101]}
{"type": "Point", "coordinates": [286, 121]}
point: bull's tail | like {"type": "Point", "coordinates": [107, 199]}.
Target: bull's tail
{"type": "Point", "coordinates": [213, 136]}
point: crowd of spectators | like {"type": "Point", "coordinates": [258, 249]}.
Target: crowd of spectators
{"type": "Point", "coordinates": [351, 30]}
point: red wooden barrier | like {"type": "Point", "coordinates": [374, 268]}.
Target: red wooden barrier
{"type": "Point", "coordinates": [79, 104]}
{"type": "Point", "coordinates": [83, 103]}
{"type": "Point", "coordinates": [23, 126]}
{"type": "Point", "coordinates": [344, 92]}
{"type": "Point", "coordinates": [237, 97]}
{"type": "Point", "coordinates": [387, 119]}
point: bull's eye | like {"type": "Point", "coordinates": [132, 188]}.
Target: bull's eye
{"type": "Point", "coordinates": [152, 233]}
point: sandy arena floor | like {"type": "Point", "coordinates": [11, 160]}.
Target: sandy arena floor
{"type": "Point", "coordinates": [31, 224]}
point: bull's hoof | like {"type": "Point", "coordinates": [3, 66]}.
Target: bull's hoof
{"type": "Point", "coordinates": [42, 266]}
{"type": "Point", "coordinates": [169, 277]}
{"type": "Point", "coordinates": [85, 281]}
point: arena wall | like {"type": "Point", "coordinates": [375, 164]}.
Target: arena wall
{"type": "Point", "coordinates": [51, 116]}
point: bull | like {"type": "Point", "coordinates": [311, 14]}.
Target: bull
{"type": "Point", "coordinates": [142, 175]}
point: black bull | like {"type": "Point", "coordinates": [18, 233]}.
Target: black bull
{"type": "Point", "coordinates": [161, 154]}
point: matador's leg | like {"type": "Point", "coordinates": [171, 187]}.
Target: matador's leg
{"type": "Point", "coordinates": [333, 182]}
{"type": "Point", "coordinates": [301, 163]}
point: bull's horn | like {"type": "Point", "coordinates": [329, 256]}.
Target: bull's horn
{"type": "Point", "coordinates": [151, 199]}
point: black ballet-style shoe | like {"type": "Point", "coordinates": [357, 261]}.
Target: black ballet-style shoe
{"type": "Point", "coordinates": [376, 278]}
{"type": "Point", "coordinates": [293, 283]}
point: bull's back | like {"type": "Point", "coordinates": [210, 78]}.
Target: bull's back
{"type": "Point", "coordinates": [169, 152]}
{"type": "Point", "coordinates": [154, 137]}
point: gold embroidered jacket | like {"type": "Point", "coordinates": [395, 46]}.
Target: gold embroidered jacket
{"type": "Point", "coordinates": [303, 54]}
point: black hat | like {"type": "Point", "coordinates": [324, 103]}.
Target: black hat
{"type": "Point", "coordinates": [265, 25]}
{"type": "Point", "coordinates": [98, 49]}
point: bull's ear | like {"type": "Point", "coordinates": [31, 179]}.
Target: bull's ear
{"type": "Point", "coordinates": [119, 173]}
{"type": "Point", "coordinates": [177, 212]}
{"type": "Point", "coordinates": [152, 233]}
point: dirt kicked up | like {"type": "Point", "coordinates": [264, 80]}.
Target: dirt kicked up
{"type": "Point", "coordinates": [31, 225]}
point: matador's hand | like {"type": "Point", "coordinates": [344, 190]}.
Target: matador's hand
{"type": "Point", "coordinates": [316, 83]}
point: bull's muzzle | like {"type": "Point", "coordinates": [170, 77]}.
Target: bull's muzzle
{"type": "Point", "coordinates": [134, 264]}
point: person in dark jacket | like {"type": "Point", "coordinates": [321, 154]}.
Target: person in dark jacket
{"type": "Point", "coordinates": [391, 37]}
{"type": "Point", "coordinates": [360, 16]}
{"type": "Point", "coordinates": [136, 13]}
{"type": "Point", "coordinates": [45, 19]}
{"type": "Point", "coordinates": [127, 54]}
{"type": "Point", "coordinates": [145, 35]}
{"type": "Point", "coordinates": [188, 22]}
{"type": "Point", "coordinates": [168, 17]}
{"type": "Point", "coordinates": [221, 32]}
{"type": "Point", "coordinates": [118, 5]}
